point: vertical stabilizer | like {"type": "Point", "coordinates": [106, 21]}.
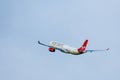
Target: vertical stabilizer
{"type": "Point", "coordinates": [83, 47]}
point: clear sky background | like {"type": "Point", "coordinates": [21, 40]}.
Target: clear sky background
{"type": "Point", "coordinates": [24, 22]}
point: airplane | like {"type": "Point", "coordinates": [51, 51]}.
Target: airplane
{"type": "Point", "coordinates": [54, 45]}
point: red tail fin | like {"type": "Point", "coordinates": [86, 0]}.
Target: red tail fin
{"type": "Point", "coordinates": [85, 43]}
{"type": "Point", "coordinates": [82, 49]}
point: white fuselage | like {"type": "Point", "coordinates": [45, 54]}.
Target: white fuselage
{"type": "Point", "coordinates": [63, 48]}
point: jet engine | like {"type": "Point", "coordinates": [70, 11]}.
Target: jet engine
{"type": "Point", "coordinates": [51, 49]}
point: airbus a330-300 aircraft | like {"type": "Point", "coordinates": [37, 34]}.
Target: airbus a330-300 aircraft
{"type": "Point", "coordinates": [53, 45]}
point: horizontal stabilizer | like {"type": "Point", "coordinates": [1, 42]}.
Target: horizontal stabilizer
{"type": "Point", "coordinates": [97, 50]}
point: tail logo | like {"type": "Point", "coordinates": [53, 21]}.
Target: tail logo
{"type": "Point", "coordinates": [82, 49]}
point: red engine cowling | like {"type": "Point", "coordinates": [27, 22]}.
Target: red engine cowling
{"type": "Point", "coordinates": [51, 49]}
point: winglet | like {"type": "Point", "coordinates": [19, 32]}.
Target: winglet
{"type": "Point", "coordinates": [43, 44]}
{"type": "Point", "coordinates": [38, 42]}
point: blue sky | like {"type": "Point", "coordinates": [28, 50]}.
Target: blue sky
{"type": "Point", "coordinates": [24, 22]}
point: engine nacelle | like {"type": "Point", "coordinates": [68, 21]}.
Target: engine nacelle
{"type": "Point", "coordinates": [51, 49]}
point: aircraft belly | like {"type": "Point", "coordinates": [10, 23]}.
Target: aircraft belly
{"type": "Point", "coordinates": [64, 48]}
{"type": "Point", "coordinates": [70, 50]}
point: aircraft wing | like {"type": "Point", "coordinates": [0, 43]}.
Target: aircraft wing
{"type": "Point", "coordinates": [52, 47]}
{"type": "Point", "coordinates": [43, 44]}
{"type": "Point", "coordinates": [97, 50]}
